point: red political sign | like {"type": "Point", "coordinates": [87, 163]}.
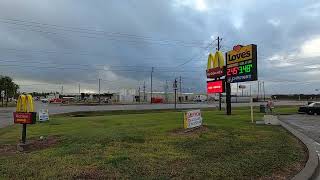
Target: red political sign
{"type": "Point", "coordinates": [215, 87]}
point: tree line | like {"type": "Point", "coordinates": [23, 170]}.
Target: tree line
{"type": "Point", "coordinates": [8, 89]}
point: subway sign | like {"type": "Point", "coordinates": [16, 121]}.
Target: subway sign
{"type": "Point", "coordinates": [242, 64]}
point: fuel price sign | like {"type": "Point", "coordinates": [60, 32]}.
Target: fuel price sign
{"type": "Point", "coordinates": [242, 64]}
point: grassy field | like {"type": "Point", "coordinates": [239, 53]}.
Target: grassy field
{"type": "Point", "coordinates": [132, 145]}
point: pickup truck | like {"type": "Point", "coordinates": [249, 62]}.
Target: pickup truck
{"type": "Point", "coordinates": [312, 109]}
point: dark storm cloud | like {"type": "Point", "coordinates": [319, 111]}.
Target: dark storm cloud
{"type": "Point", "coordinates": [177, 29]}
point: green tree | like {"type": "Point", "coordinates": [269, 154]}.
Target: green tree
{"type": "Point", "coordinates": [9, 88]}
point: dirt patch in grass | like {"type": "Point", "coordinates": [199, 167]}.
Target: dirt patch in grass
{"type": "Point", "coordinates": [33, 145]}
{"type": "Point", "coordinates": [287, 173]}
{"type": "Point", "coordinates": [7, 149]}
{"type": "Point", "coordinates": [188, 132]}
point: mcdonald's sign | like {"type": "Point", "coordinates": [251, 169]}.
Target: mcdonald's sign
{"type": "Point", "coordinates": [25, 111]}
{"type": "Point", "coordinates": [215, 67]}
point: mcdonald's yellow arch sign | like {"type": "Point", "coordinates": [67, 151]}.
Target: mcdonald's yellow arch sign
{"type": "Point", "coordinates": [24, 111]}
{"type": "Point", "coordinates": [215, 67]}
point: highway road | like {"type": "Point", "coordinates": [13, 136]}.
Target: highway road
{"type": "Point", "coordinates": [7, 119]}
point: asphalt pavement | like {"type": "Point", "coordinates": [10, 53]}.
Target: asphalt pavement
{"type": "Point", "coordinates": [307, 124]}
{"type": "Point", "coordinates": [7, 119]}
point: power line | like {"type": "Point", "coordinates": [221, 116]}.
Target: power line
{"type": "Point", "coordinates": [191, 59]}
{"type": "Point", "coordinates": [87, 30]}
{"type": "Point", "coordinates": [110, 35]}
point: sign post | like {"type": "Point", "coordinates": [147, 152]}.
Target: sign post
{"type": "Point", "coordinates": [251, 107]}
{"type": "Point", "coordinates": [175, 87]}
{"type": "Point", "coordinates": [216, 71]}
{"type": "Point", "coordinates": [24, 114]}
{"type": "Point", "coordinates": [43, 115]}
{"type": "Point", "coordinates": [241, 67]}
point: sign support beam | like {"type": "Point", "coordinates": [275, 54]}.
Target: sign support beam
{"type": "Point", "coordinates": [228, 98]}
{"type": "Point", "coordinates": [24, 133]}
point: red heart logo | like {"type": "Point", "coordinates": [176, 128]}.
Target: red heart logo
{"type": "Point", "coordinates": [237, 47]}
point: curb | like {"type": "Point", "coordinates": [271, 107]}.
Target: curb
{"type": "Point", "coordinates": [311, 169]}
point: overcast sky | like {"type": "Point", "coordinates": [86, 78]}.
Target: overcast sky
{"type": "Point", "coordinates": [45, 44]}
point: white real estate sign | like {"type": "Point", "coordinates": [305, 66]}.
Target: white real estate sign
{"type": "Point", "coordinates": [192, 119]}
{"type": "Point", "coordinates": [43, 115]}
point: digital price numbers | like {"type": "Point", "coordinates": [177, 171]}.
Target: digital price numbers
{"type": "Point", "coordinates": [239, 70]}
{"type": "Point", "coordinates": [242, 64]}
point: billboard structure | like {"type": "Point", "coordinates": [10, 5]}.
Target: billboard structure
{"type": "Point", "coordinates": [242, 64]}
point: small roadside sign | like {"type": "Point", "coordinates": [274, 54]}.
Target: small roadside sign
{"type": "Point", "coordinates": [192, 119]}
{"type": "Point", "coordinates": [43, 115]}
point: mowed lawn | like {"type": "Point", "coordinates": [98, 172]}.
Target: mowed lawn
{"type": "Point", "coordinates": [139, 146]}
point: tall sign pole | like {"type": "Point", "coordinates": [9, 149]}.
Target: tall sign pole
{"type": "Point", "coordinates": [228, 97]}
{"type": "Point", "coordinates": [219, 93]}
{"type": "Point", "coordinates": [241, 67]}
{"type": "Point", "coordinates": [216, 73]}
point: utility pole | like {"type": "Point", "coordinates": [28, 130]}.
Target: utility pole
{"type": "Point", "coordinates": [61, 89]}
{"type": "Point", "coordinates": [99, 91]}
{"type": "Point", "coordinates": [79, 89]}
{"type": "Point", "coordinates": [258, 91]}
{"type": "Point", "coordinates": [144, 91]}
{"type": "Point", "coordinates": [151, 85]}
{"type": "Point", "coordinates": [175, 87]}
{"type": "Point", "coordinates": [166, 91]}
{"type": "Point", "coordinates": [228, 87]}
{"type": "Point", "coordinates": [180, 96]}
{"type": "Point", "coordinates": [6, 95]}
{"type": "Point", "coordinates": [139, 94]}
{"type": "Point", "coordinates": [237, 92]}
{"type": "Point", "coordinates": [264, 93]}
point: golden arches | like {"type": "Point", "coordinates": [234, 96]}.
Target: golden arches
{"type": "Point", "coordinates": [215, 61]}
{"type": "Point", "coordinates": [25, 103]}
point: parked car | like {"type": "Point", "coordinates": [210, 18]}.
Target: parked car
{"type": "Point", "coordinates": [55, 100]}
{"type": "Point", "coordinates": [44, 100]}
{"type": "Point", "coordinates": [313, 108]}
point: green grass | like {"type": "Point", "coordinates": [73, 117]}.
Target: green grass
{"type": "Point", "coordinates": [143, 146]}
